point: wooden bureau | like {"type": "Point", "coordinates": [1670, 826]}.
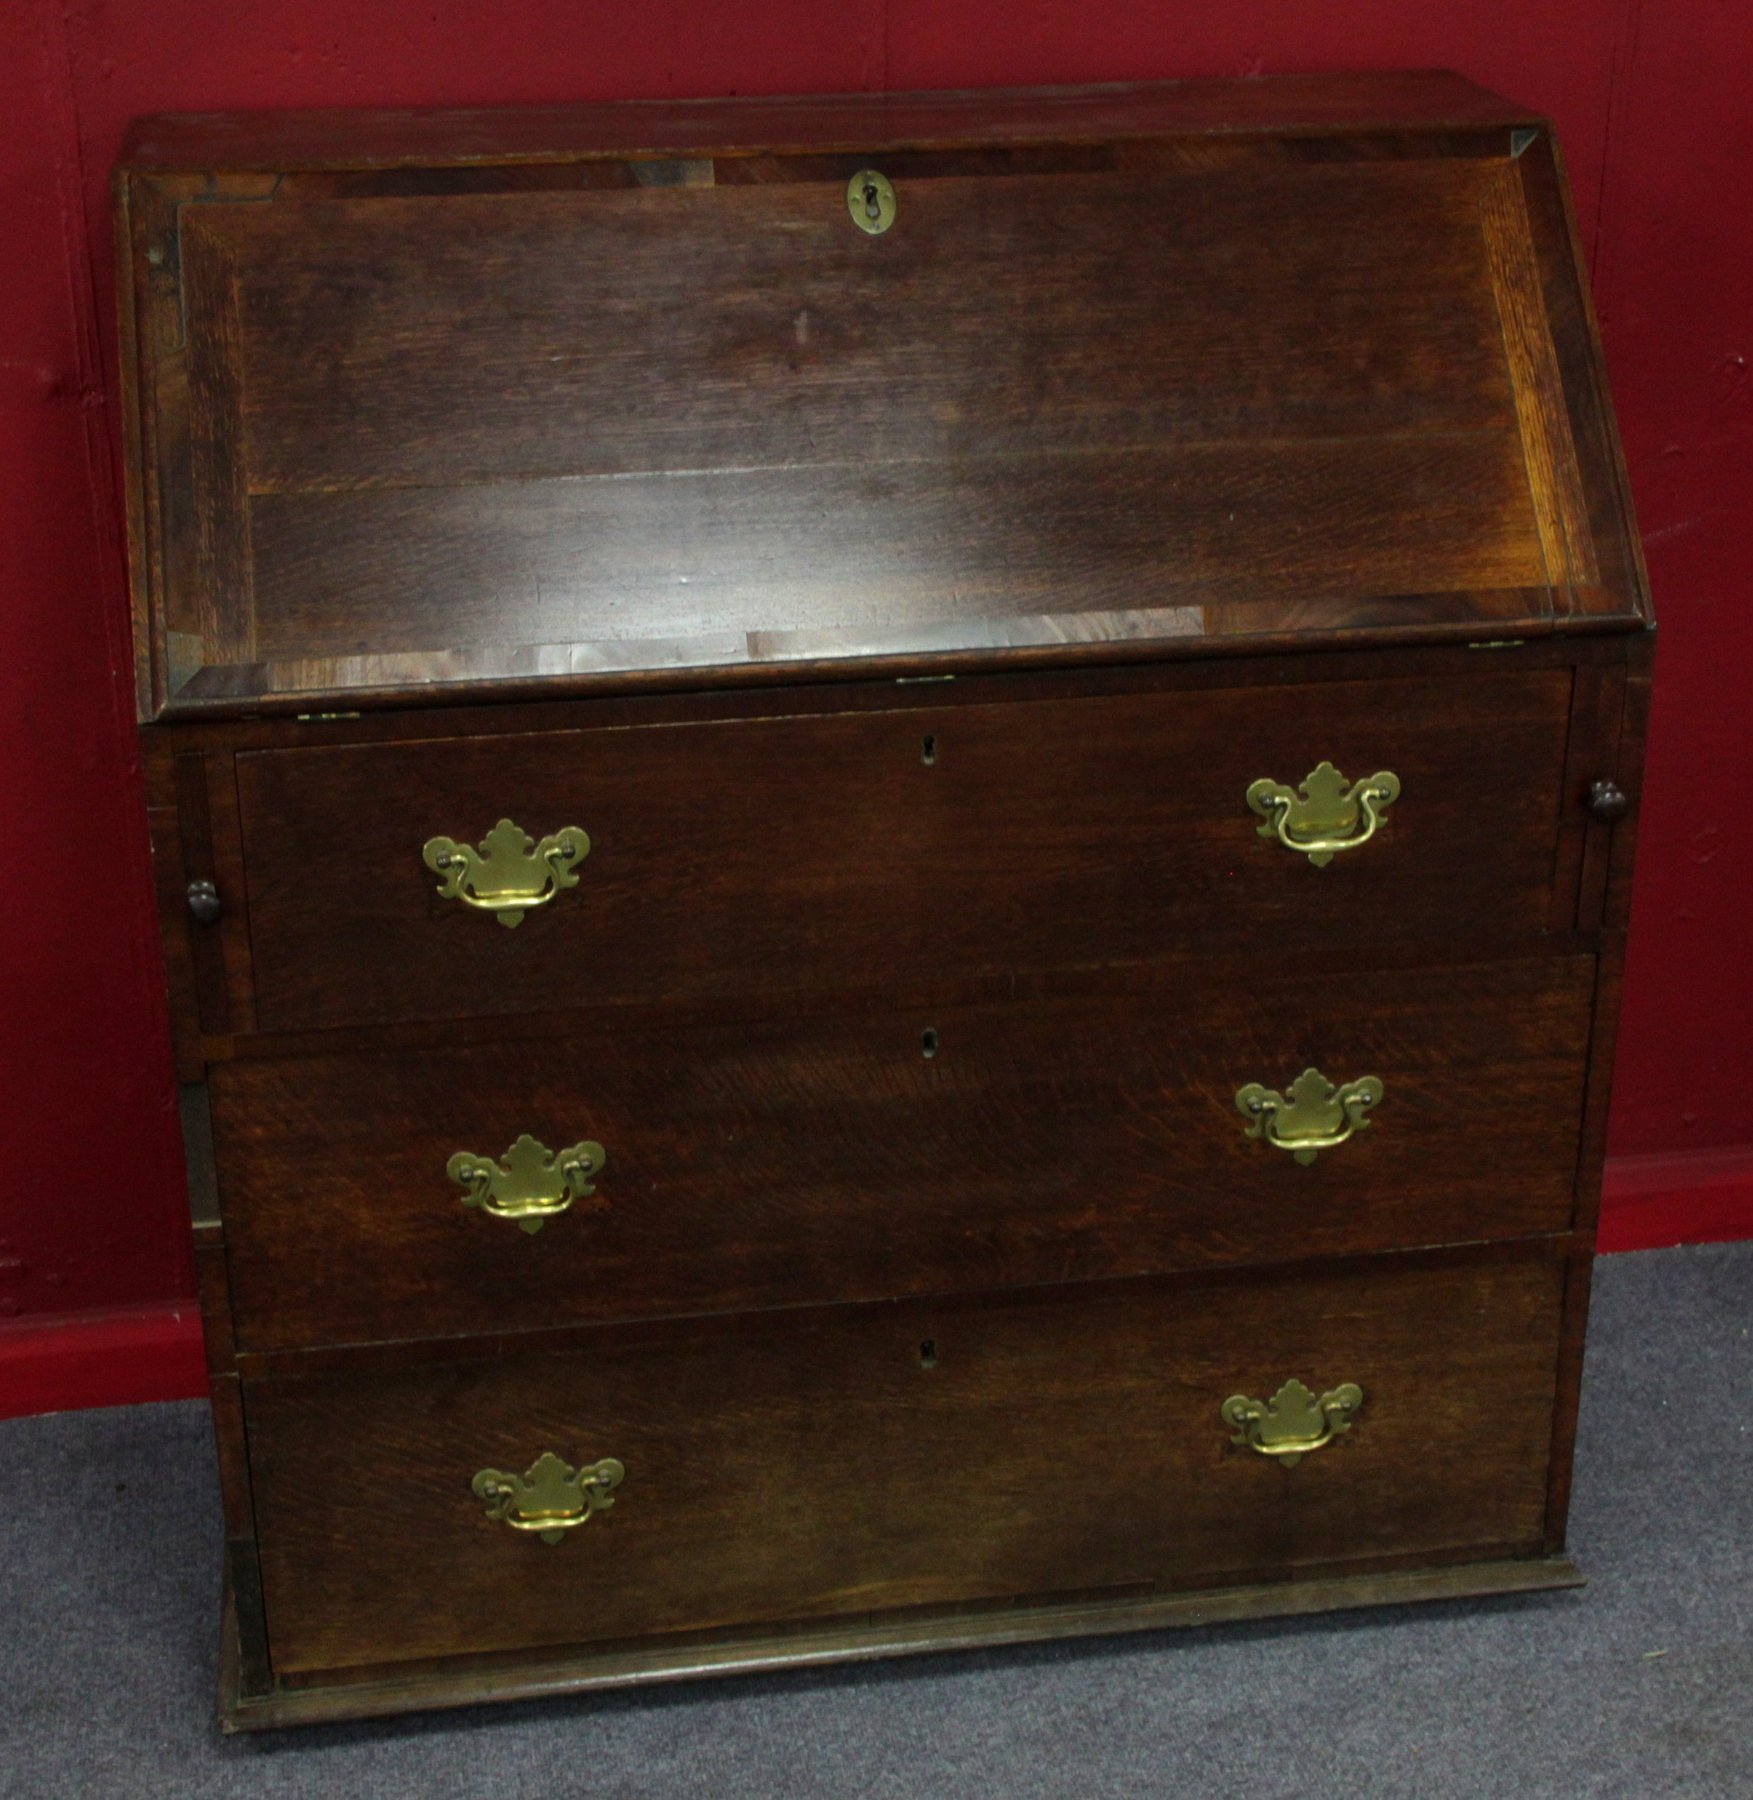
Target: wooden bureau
{"type": "Point", "coordinates": [894, 838]}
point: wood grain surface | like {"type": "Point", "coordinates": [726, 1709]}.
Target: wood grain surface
{"type": "Point", "coordinates": [797, 853]}
{"type": "Point", "coordinates": [836, 1466]}
{"type": "Point", "coordinates": [356, 137]}
{"type": "Point", "coordinates": [1201, 434]}
{"type": "Point", "coordinates": [786, 1162]}
{"type": "Point", "coordinates": [423, 421]}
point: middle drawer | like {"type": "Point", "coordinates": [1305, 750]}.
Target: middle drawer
{"type": "Point", "coordinates": [796, 1162]}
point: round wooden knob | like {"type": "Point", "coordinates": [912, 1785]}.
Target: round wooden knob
{"type": "Point", "coordinates": [203, 898]}
{"type": "Point", "coordinates": [1608, 803]}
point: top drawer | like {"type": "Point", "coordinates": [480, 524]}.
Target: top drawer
{"type": "Point", "coordinates": [743, 856]}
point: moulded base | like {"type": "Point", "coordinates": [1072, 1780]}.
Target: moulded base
{"type": "Point", "coordinates": [378, 1692]}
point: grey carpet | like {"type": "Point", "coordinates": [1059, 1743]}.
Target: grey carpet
{"type": "Point", "coordinates": [1639, 1686]}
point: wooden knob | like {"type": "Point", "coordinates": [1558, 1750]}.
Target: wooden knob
{"type": "Point", "coordinates": [204, 907]}
{"type": "Point", "coordinates": [1608, 803]}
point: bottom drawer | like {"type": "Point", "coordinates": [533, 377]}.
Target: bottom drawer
{"type": "Point", "coordinates": [847, 1461]}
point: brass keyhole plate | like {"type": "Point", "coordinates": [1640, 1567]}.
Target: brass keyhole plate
{"type": "Point", "coordinates": [871, 201]}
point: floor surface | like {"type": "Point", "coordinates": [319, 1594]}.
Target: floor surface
{"type": "Point", "coordinates": [1638, 1686]}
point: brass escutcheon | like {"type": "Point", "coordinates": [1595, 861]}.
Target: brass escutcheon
{"type": "Point", "coordinates": [551, 1496]}
{"type": "Point", "coordinates": [511, 872]}
{"type": "Point", "coordinates": [1323, 818]}
{"type": "Point", "coordinates": [533, 1184]}
{"type": "Point", "coordinates": [1293, 1422]}
{"type": "Point", "coordinates": [1314, 1115]}
{"type": "Point", "coordinates": [871, 201]}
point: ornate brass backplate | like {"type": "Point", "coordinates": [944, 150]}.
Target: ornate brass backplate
{"type": "Point", "coordinates": [1293, 1422]}
{"type": "Point", "coordinates": [1324, 818]}
{"type": "Point", "coordinates": [870, 198]}
{"type": "Point", "coordinates": [533, 1184]}
{"type": "Point", "coordinates": [511, 872]}
{"type": "Point", "coordinates": [1314, 1115]}
{"type": "Point", "coordinates": [551, 1496]}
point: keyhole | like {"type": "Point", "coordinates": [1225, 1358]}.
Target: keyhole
{"type": "Point", "coordinates": [928, 749]}
{"type": "Point", "coordinates": [928, 1354]}
{"type": "Point", "coordinates": [873, 206]}
{"type": "Point", "coordinates": [928, 1042]}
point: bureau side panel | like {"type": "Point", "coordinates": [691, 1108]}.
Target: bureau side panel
{"type": "Point", "coordinates": [1624, 765]}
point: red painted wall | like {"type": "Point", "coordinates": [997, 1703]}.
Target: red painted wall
{"type": "Point", "coordinates": [1653, 107]}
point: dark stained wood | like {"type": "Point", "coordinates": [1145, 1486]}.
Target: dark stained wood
{"type": "Point", "coordinates": [938, 651]}
{"type": "Point", "coordinates": [1554, 480]}
{"type": "Point", "coordinates": [246, 1672]}
{"type": "Point", "coordinates": [230, 1442]}
{"type": "Point", "coordinates": [1186, 542]}
{"type": "Point", "coordinates": [1628, 732]}
{"type": "Point", "coordinates": [1578, 1273]}
{"type": "Point", "coordinates": [200, 943]}
{"type": "Point", "coordinates": [233, 929]}
{"type": "Point", "coordinates": [1593, 713]}
{"type": "Point", "coordinates": [366, 1694]}
{"type": "Point", "coordinates": [824, 1472]}
{"type": "Point", "coordinates": [1564, 294]}
{"type": "Point", "coordinates": [828, 349]}
{"type": "Point", "coordinates": [245, 1669]}
{"type": "Point", "coordinates": [551, 701]}
{"type": "Point", "coordinates": [785, 1163]}
{"type": "Point", "coordinates": [217, 579]}
{"type": "Point", "coordinates": [513, 1339]}
{"type": "Point", "coordinates": [431, 179]}
{"type": "Point", "coordinates": [170, 893]}
{"type": "Point", "coordinates": [1618, 853]}
{"type": "Point", "coordinates": [982, 430]}
{"type": "Point", "coordinates": [586, 466]}
{"type": "Point", "coordinates": [1290, 104]}
{"type": "Point", "coordinates": [1598, 837]}
{"type": "Point", "coordinates": [1628, 772]}
{"type": "Point", "coordinates": [212, 1281]}
{"type": "Point", "coordinates": [230, 1435]}
{"type": "Point", "coordinates": [794, 853]}
{"type": "Point", "coordinates": [873, 995]}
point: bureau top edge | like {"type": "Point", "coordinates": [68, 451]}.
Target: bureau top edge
{"type": "Point", "coordinates": [741, 125]}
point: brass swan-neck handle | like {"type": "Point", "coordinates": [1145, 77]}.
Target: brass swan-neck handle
{"type": "Point", "coordinates": [1293, 1422]}
{"type": "Point", "coordinates": [551, 1497]}
{"type": "Point", "coordinates": [533, 1184]}
{"type": "Point", "coordinates": [1326, 816]}
{"type": "Point", "coordinates": [510, 874]}
{"type": "Point", "coordinates": [1313, 1114]}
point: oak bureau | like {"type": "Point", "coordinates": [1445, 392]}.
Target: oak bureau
{"type": "Point", "coordinates": [893, 837]}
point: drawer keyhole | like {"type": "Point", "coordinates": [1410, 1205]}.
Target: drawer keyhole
{"type": "Point", "coordinates": [928, 1354]}
{"type": "Point", "coordinates": [928, 750]}
{"type": "Point", "coordinates": [928, 1042]}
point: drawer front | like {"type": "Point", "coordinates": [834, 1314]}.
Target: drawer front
{"type": "Point", "coordinates": [848, 1462]}
{"type": "Point", "coordinates": [807, 852]}
{"type": "Point", "coordinates": [798, 1162]}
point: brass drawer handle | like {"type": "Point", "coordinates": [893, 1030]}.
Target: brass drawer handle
{"type": "Point", "coordinates": [550, 1497]}
{"type": "Point", "coordinates": [533, 1184]}
{"type": "Point", "coordinates": [1323, 819]}
{"type": "Point", "coordinates": [1314, 1115]}
{"type": "Point", "coordinates": [1293, 1422]}
{"type": "Point", "coordinates": [511, 873]}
